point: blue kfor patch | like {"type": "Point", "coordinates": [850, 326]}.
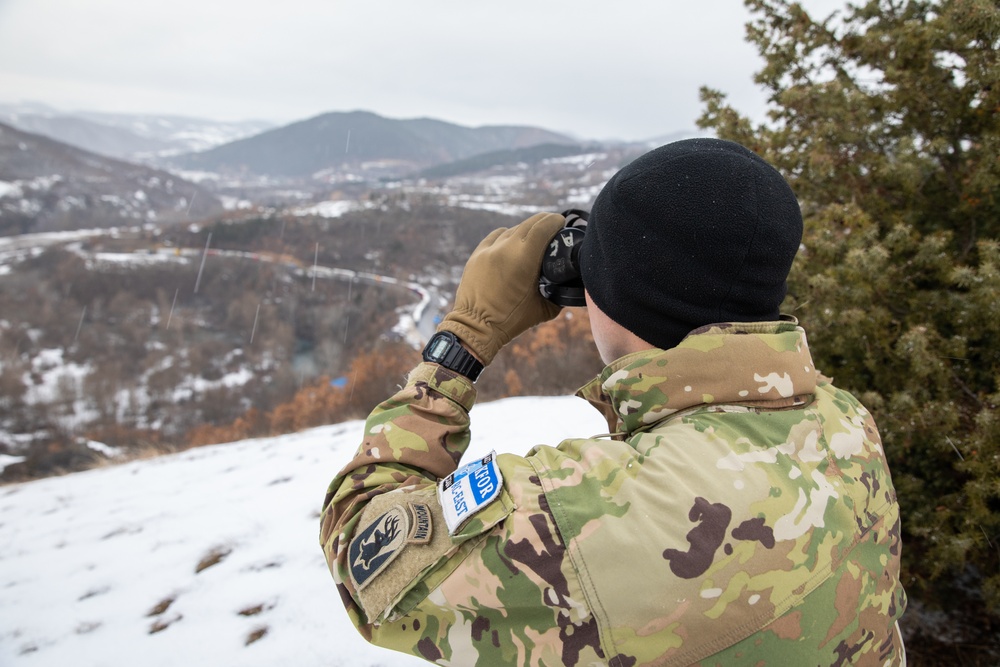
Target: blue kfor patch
{"type": "Point", "coordinates": [468, 490]}
{"type": "Point", "coordinates": [377, 545]}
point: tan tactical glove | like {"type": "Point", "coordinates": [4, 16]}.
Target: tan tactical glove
{"type": "Point", "coordinates": [498, 297]}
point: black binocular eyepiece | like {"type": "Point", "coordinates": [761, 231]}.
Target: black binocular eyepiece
{"type": "Point", "coordinates": [560, 281]}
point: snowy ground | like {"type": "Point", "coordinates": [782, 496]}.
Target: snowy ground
{"type": "Point", "coordinates": [99, 568]}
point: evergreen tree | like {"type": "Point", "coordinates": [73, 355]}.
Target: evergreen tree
{"type": "Point", "coordinates": [885, 118]}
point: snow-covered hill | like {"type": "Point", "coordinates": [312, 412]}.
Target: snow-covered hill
{"type": "Point", "coordinates": [134, 137]}
{"type": "Point", "coordinates": [207, 557]}
{"type": "Point", "coordinates": [47, 185]}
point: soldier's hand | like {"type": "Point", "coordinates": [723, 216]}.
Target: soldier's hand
{"type": "Point", "coordinates": [498, 296]}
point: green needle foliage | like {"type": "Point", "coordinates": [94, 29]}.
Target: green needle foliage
{"type": "Point", "coordinates": [885, 118]}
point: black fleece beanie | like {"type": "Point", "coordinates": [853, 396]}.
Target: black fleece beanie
{"type": "Point", "coordinates": [696, 232]}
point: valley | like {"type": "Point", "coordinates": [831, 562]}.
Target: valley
{"type": "Point", "coordinates": [134, 322]}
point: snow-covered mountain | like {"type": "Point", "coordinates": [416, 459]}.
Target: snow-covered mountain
{"type": "Point", "coordinates": [48, 185]}
{"type": "Point", "coordinates": [207, 557]}
{"type": "Point", "coordinates": [128, 136]}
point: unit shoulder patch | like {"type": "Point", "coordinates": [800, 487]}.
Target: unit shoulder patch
{"type": "Point", "coordinates": [376, 546]}
{"type": "Point", "coordinates": [399, 537]}
{"type": "Point", "coordinates": [468, 490]}
{"type": "Point", "coordinates": [379, 542]}
{"type": "Point", "coordinates": [421, 524]}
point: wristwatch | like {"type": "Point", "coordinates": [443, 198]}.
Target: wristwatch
{"type": "Point", "coordinates": [445, 349]}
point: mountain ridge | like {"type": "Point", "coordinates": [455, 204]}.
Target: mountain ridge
{"type": "Point", "coordinates": [48, 185]}
{"type": "Point", "coordinates": [133, 137]}
{"type": "Point", "coordinates": [357, 139]}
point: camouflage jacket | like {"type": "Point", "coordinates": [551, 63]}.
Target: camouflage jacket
{"type": "Point", "coordinates": [742, 514]}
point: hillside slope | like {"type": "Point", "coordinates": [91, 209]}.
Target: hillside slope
{"type": "Point", "coordinates": [46, 185]}
{"type": "Point", "coordinates": [127, 136]}
{"type": "Point", "coordinates": [99, 568]}
{"type": "Point", "coordinates": [105, 140]}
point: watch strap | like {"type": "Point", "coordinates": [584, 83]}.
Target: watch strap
{"type": "Point", "coordinates": [463, 362]}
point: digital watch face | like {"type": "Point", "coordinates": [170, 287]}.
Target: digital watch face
{"type": "Point", "coordinates": [438, 349]}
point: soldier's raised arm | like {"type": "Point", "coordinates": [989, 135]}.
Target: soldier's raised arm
{"type": "Point", "coordinates": [397, 520]}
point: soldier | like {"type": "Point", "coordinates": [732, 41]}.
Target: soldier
{"type": "Point", "coordinates": [739, 513]}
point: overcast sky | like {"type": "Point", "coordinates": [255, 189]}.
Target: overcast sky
{"type": "Point", "coordinates": [598, 69]}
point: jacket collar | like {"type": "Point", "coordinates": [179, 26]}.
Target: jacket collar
{"type": "Point", "coordinates": [762, 364]}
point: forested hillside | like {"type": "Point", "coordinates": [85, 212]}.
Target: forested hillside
{"type": "Point", "coordinates": [130, 343]}
{"type": "Point", "coordinates": [160, 340]}
{"type": "Point", "coordinates": [365, 141]}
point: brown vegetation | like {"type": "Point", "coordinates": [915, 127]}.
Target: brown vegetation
{"type": "Point", "coordinates": [371, 374]}
{"type": "Point", "coordinates": [554, 358]}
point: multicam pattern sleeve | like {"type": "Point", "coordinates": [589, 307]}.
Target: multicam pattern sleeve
{"type": "Point", "coordinates": [411, 440]}
{"type": "Point", "coordinates": [498, 591]}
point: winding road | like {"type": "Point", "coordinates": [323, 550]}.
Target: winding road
{"type": "Point", "coordinates": [417, 324]}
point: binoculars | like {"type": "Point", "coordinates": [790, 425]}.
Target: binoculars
{"type": "Point", "coordinates": [560, 281]}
